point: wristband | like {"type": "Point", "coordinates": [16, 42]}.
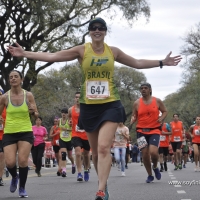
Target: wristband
{"type": "Point", "coordinates": [161, 64]}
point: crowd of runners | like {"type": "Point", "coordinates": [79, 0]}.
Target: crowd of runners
{"type": "Point", "coordinates": [95, 122]}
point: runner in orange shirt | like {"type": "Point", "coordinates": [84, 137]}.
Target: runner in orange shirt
{"type": "Point", "coordinates": [79, 141]}
{"type": "Point", "coordinates": [194, 131]}
{"type": "Point", "coordinates": [177, 138]}
{"type": "Point", "coordinates": [2, 161]}
{"type": "Point", "coordinates": [164, 146]}
{"type": "Point", "coordinates": [146, 113]}
{"type": "Point", "coordinates": [55, 135]}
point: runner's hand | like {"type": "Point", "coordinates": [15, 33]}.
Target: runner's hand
{"type": "Point", "coordinates": [16, 50]}
{"type": "Point", "coordinates": [160, 120]}
{"type": "Point", "coordinates": [133, 119]}
{"type": "Point", "coordinates": [31, 108]}
{"type": "Point", "coordinates": [171, 61]}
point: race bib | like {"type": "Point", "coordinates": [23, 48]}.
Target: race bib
{"type": "Point", "coordinates": [78, 129]}
{"type": "Point", "coordinates": [65, 134]}
{"type": "Point", "coordinates": [162, 138]}
{"type": "Point", "coordinates": [197, 132]}
{"type": "Point", "coordinates": [177, 139]}
{"type": "Point", "coordinates": [142, 143]}
{"type": "Point", "coordinates": [97, 90]}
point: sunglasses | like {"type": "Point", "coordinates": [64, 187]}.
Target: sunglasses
{"type": "Point", "coordinates": [100, 28]}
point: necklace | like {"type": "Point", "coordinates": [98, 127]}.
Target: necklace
{"type": "Point", "coordinates": [97, 48]}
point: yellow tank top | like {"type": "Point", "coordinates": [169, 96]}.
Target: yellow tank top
{"type": "Point", "coordinates": [17, 117]}
{"type": "Point", "coordinates": [65, 135]}
{"type": "Point", "coordinates": [98, 73]}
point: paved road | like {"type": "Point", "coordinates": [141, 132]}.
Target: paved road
{"type": "Point", "coordinates": [131, 187]}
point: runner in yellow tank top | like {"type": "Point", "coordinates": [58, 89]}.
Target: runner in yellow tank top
{"type": "Point", "coordinates": [18, 135]}
{"type": "Point", "coordinates": [100, 89]}
{"type": "Point", "coordinates": [65, 143]}
{"type": "Point", "coordinates": [98, 73]}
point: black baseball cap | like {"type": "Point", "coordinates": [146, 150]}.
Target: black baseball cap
{"type": "Point", "coordinates": [146, 84]}
{"type": "Point", "coordinates": [97, 20]}
{"type": "Point", "coordinates": [64, 110]}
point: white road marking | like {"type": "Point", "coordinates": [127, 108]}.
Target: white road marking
{"type": "Point", "coordinates": [181, 191]}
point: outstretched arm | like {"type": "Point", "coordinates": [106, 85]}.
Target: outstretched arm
{"type": "Point", "coordinates": [59, 56]}
{"type": "Point", "coordinates": [125, 59]}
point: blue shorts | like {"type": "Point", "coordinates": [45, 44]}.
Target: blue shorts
{"type": "Point", "coordinates": [152, 139]}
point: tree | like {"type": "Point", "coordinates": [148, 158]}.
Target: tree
{"type": "Point", "coordinates": [186, 101]}
{"type": "Point", "coordinates": [52, 25]}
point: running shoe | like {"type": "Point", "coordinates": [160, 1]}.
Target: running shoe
{"type": "Point", "coordinates": [22, 193]}
{"type": "Point", "coordinates": [80, 177]}
{"type": "Point", "coordinates": [165, 166]}
{"type": "Point", "coordinates": [119, 167]}
{"type": "Point", "coordinates": [64, 174]}
{"type": "Point", "coordinates": [184, 166]}
{"type": "Point", "coordinates": [73, 169]}
{"type": "Point", "coordinates": [123, 174]}
{"type": "Point", "coordinates": [161, 169]}
{"type": "Point", "coordinates": [39, 174]}
{"type": "Point", "coordinates": [1, 182]}
{"type": "Point", "coordinates": [157, 173]}
{"type": "Point", "coordinates": [58, 173]}
{"type": "Point", "coordinates": [196, 169]}
{"type": "Point", "coordinates": [149, 179]}
{"type": "Point", "coordinates": [180, 166]}
{"type": "Point", "coordinates": [106, 192]}
{"type": "Point", "coordinates": [126, 166]}
{"type": "Point", "coordinates": [86, 176]}
{"type": "Point", "coordinates": [14, 183]}
{"type": "Point", "coordinates": [100, 195]}
{"type": "Point", "coordinates": [7, 173]}
{"type": "Point", "coordinates": [176, 167]}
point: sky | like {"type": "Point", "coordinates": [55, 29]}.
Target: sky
{"type": "Point", "coordinates": [169, 22]}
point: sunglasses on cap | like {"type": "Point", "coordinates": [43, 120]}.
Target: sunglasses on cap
{"type": "Point", "coordinates": [100, 28]}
